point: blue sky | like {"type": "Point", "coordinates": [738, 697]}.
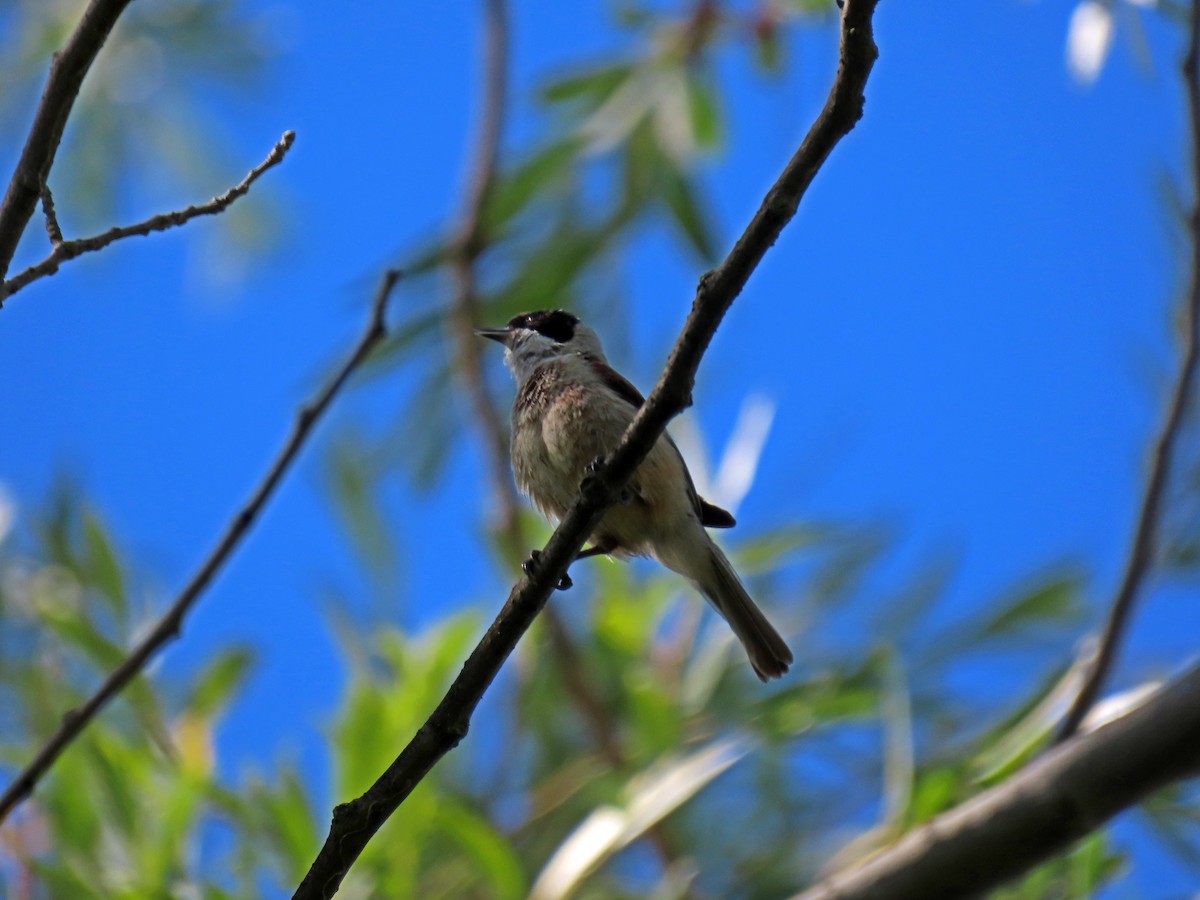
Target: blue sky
{"type": "Point", "coordinates": [966, 330]}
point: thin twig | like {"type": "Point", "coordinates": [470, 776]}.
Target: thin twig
{"type": "Point", "coordinates": [67, 72]}
{"type": "Point", "coordinates": [1142, 550]}
{"type": "Point", "coordinates": [67, 250]}
{"type": "Point", "coordinates": [355, 822]}
{"type": "Point", "coordinates": [169, 625]}
{"type": "Point", "coordinates": [1039, 812]}
{"type": "Point", "coordinates": [53, 229]}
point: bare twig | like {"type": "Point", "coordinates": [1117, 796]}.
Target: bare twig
{"type": "Point", "coordinates": [66, 250]}
{"type": "Point", "coordinates": [53, 229]}
{"type": "Point", "coordinates": [67, 71]}
{"type": "Point", "coordinates": [355, 822]}
{"type": "Point", "coordinates": [1065, 795]}
{"type": "Point", "coordinates": [1142, 549]}
{"type": "Point", "coordinates": [169, 625]}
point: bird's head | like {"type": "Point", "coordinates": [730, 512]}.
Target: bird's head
{"type": "Point", "coordinates": [532, 338]}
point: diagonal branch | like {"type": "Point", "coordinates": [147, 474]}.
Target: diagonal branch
{"type": "Point", "coordinates": [355, 822]}
{"type": "Point", "coordinates": [67, 250]}
{"type": "Point", "coordinates": [1142, 549]}
{"type": "Point", "coordinates": [1065, 795]}
{"type": "Point", "coordinates": [170, 624]}
{"type": "Point", "coordinates": [67, 71]}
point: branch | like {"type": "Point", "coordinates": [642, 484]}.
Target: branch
{"type": "Point", "coordinates": [1142, 550]}
{"type": "Point", "coordinates": [67, 71]}
{"type": "Point", "coordinates": [469, 245]}
{"type": "Point", "coordinates": [66, 250]}
{"type": "Point", "coordinates": [1065, 795]}
{"type": "Point", "coordinates": [355, 822]}
{"type": "Point", "coordinates": [170, 624]}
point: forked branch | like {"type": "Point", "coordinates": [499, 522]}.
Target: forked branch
{"type": "Point", "coordinates": [67, 72]}
{"type": "Point", "coordinates": [66, 250]}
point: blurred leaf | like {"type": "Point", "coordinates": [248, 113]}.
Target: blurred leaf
{"type": "Point", "coordinates": [768, 49]}
{"type": "Point", "coordinates": [774, 548]}
{"type": "Point", "coordinates": [505, 874]}
{"type": "Point", "coordinates": [934, 792]}
{"type": "Point", "coordinates": [1175, 820]}
{"type": "Point", "coordinates": [290, 819]}
{"type": "Point", "coordinates": [1054, 601]}
{"type": "Point", "coordinates": [515, 190]}
{"type": "Point", "coordinates": [221, 678]}
{"type": "Point", "coordinates": [679, 195]}
{"type": "Point", "coordinates": [114, 778]}
{"type": "Point", "coordinates": [421, 332]}
{"type": "Point", "coordinates": [354, 474]}
{"type": "Point", "coordinates": [1015, 741]}
{"type": "Point", "coordinates": [589, 88]}
{"type": "Point", "coordinates": [423, 451]}
{"type": "Point", "coordinates": [103, 567]}
{"type": "Point", "coordinates": [651, 797]}
{"type": "Point", "coordinates": [707, 127]}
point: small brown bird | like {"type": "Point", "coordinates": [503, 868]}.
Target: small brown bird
{"type": "Point", "coordinates": [570, 411]}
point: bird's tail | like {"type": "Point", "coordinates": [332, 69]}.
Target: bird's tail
{"type": "Point", "coordinates": [768, 653]}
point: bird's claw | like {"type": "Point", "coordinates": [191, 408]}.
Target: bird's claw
{"type": "Point", "coordinates": [530, 566]}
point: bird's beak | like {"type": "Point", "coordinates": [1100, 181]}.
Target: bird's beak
{"type": "Point", "coordinates": [500, 335]}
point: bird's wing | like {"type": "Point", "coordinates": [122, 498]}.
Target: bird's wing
{"type": "Point", "coordinates": [711, 515]}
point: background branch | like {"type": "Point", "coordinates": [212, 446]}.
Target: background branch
{"type": "Point", "coordinates": [471, 243]}
{"type": "Point", "coordinates": [67, 250]}
{"type": "Point", "coordinates": [67, 72]}
{"type": "Point", "coordinates": [1039, 812]}
{"type": "Point", "coordinates": [1142, 549]}
{"type": "Point", "coordinates": [169, 625]}
{"type": "Point", "coordinates": [355, 822]}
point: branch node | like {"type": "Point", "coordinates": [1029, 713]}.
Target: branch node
{"type": "Point", "coordinates": [64, 250]}
{"type": "Point", "coordinates": [52, 228]}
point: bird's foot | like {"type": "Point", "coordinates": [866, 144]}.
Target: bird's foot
{"type": "Point", "coordinates": [530, 567]}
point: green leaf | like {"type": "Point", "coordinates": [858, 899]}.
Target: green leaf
{"type": "Point", "coordinates": [515, 190]}
{"type": "Point", "coordinates": [487, 847]}
{"type": "Point", "coordinates": [768, 48]}
{"type": "Point", "coordinates": [1053, 602]}
{"type": "Point", "coordinates": [223, 676]}
{"type": "Point", "coordinates": [708, 130]}
{"type": "Point", "coordinates": [590, 88]}
{"type": "Point", "coordinates": [290, 818]}
{"type": "Point", "coordinates": [772, 549]}
{"type": "Point", "coordinates": [424, 451]}
{"type": "Point", "coordinates": [651, 796]}
{"type": "Point", "coordinates": [103, 568]}
{"type": "Point", "coordinates": [679, 194]}
{"type": "Point", "coordinates": [115, 772]}
{"type": "Point", "coordinates": [934, 792]}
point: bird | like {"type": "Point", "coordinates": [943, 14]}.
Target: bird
{"type": "Point", "coordinates": [569, 412]}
